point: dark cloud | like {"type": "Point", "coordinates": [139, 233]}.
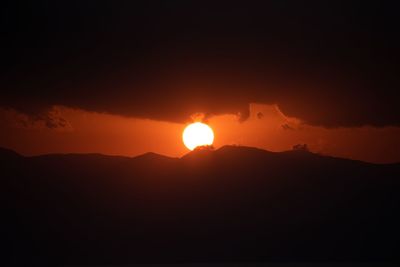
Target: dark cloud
{"type": "Point", "coordinates": [329, 64]}
{"type": "Point", "coordinates": [51, 119]}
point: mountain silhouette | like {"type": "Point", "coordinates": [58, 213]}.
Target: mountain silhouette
{"type": "Point", "coordinates": [232, 204]}
{"type": "Point", "coordinates": [7, 154]}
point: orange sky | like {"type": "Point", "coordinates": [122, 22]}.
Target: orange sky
{"type": "Point", "coordinates": [267, 128]}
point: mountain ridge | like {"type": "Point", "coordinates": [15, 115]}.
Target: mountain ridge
{"type": "Point", "coordinates": [4, 152]}
{"type": "Point", "coordinates": [234, 203]}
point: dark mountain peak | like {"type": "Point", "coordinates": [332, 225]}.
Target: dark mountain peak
{"type": "Point", "coordinates": [202, 151]}
{"type": "Point", "coordinates": [301, 153]}
{"type": "Point", "coordinates": [153, 156]}
{"type": "Point", "coordinates": [199, 153]}
{"type": "Point", "coordinates": [232, 155]}
{"type": "Point", "coordinates": [234, 152]}
{"type": "Point", "coordinates": [6, 153]}
{"type": "Point", "coordinates": [251, 156]}
{"type": "Point", "coordinates": [242, 150]}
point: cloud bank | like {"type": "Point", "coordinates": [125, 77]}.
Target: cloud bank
{"type": "Point", "coordinates": [332, 65]}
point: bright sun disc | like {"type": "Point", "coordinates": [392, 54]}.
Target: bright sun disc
{"type": "Point", "coordinates": [197, 134]}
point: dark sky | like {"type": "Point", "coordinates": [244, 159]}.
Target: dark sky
{"type": "Point", "coordinates": [328, 63]}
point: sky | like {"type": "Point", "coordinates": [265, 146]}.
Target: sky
{"type": "Point", "coordinates": [266, 127]}
{"type": "Point", "coordinates": [125, 78]}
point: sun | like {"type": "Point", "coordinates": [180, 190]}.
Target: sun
{"type": "Point", "coordinates": [197, 134]}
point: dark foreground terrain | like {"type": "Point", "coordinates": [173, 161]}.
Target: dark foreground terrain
{"type": "Point", "coordinates": [232, 204]}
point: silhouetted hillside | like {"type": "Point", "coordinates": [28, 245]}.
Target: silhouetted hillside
{"type": "Point", "coordinates": [231, 204]}
{"type": "Point", "coordinates": [8, 154]}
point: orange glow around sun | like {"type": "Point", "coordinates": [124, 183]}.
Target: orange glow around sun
{"type": "Point", "coordinates": [197, 134]}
